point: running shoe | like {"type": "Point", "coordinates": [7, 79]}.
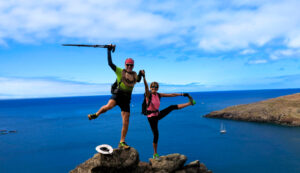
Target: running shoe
{"type": "Point", "coordinates": [156, 156]}
{"type": "Point", "coordinates": [123, 145]}
{"type": "Point", "coordinates": [92, 116]}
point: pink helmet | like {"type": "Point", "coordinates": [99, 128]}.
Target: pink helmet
{"type": "Point", "coordinates": [129, 61]}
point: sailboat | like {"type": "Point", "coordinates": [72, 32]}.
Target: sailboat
{"type": "Point", "coordinates": [222, 130]}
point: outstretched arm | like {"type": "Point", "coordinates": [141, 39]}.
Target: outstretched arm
{"type": "Point", "coordinates": [110, 63]}
{"type": "Point", "coordinates": [171, 95]}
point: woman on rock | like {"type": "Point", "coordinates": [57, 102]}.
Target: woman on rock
{"type": "Point", "coordinates": [153, 114]}
{"type": "Point", "coordinates": [121, 93]}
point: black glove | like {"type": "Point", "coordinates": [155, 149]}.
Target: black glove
{"type": "Point", "coordinates": [142, 72]}
{"type": "Point", "coordinates": [109, 47]}
{"type": "Point", "coordinates": [185, 94]}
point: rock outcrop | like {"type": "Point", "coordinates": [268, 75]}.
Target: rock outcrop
{"type": "Point", "coordinates": [127, 161]}
{"type": "Point", "coordinates": [283, 110]}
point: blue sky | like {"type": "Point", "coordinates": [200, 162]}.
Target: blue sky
{"type": "Point", "coordinates": [192, 45]}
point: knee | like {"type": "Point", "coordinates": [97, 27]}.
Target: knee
{"type": "Point", "coordinates": [109, 106]}
{"type": "Point", "coordinates": [174, 106]}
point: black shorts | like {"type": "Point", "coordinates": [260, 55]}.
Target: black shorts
{"type": "Point", "coordinates": [123, 101]}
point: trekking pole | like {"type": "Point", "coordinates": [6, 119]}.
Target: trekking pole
{"type": "Point", "coordinates": [94, 46]}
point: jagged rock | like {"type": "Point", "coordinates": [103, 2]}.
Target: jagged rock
{"type": "Point", "coordinates": [284, 110]}
{"type": "Point", "coordinates": [168, 163]}
{"type": "Point", "coordinates": [204, 169]}
{"type": "Point", "coordinates": [144, 167]}
{"type": "Point", "coordinates": [127, 161]}
{"type": "Point", "coordinates": [194, 167]}
{"type": "Point", "coordinates": [120, 161]}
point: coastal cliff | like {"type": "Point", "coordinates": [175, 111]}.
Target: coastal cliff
{"type": "Point", "coordinates": [284, 110]}
{"type": "Point", "coordinates": [127, 161]}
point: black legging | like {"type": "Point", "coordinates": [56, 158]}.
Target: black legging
{"type": "Point", "coordinates": [153, 121]}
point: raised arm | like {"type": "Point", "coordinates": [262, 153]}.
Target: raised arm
{"type": "Point", "coordinates": [139, 77]}
{"type": "Point", "coordinates": [110, 63]}
{"type": "Point", "coordinates": [146, 84]}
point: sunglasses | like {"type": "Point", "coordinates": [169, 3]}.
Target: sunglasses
{"type": "Point", "coordinates": [129, 65]}
{"type": "Point", "coordinates": [154, 87]}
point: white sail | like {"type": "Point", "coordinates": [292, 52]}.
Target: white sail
{"type": "Point", "coordinates": [222, 130]}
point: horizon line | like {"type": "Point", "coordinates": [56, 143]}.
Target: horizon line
{"type": "Point", "coordinates": [58, 97]}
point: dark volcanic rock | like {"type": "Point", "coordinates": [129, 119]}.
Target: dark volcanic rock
{"type": "Point", "coordinates": [128, 161]}
{"type": "Point", "coordinates": [168, 163]}
{"type": "Point", "coordinates": [120, 161]}
{"type": "Point", "coordinates": [144, 167]}
{"type": "Point", "coordinates": [194, 167]}
{"type": "Point", "coordinates": [283, 110]}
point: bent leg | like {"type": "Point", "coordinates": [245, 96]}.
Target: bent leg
{"type": "Point", "coordinates": [166, 111]}
{"type": "Point", "coordinates": [169, 109]}
{"type": "Point", "coordinates": [125, 118]}
{"type": "Point", "coordinates": [110, 104]}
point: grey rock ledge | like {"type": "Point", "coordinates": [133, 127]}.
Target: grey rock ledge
{"type": "Point", "coordinates": [127, 161]}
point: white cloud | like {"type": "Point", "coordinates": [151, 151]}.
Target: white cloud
{"type": "Point", "coordinates": [39, 87]}
{"type": "Point", "coordinates": [258, 61]}
{"type": "Point", "coordinates": [11, 88]}
{"type": "Point", "coordinates": [15, 88]}
{"type": "Point", "coordinates": [285, 53]}
{"type": "Point", "coordinates": [247, 51]}
{"type": "Point", "coordinates": [294, 40]}
{"type": "Point", "coordinates": [210, 25]}
{"type": "Point", "coordinates": [27, 21]}
{"type": "Point", "coordinates": [241, 28]}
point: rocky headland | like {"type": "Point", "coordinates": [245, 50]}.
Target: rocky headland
{"type": "Point", "coordinates": [127, 161]}
{"type": "Point", "coordinates": [284, 110]}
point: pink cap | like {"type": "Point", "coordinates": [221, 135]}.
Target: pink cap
{"type": "Point", "coordinates": [129, 61]}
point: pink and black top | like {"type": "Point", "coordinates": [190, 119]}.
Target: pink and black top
{"type": "Point", "coordinates": [154, 105]}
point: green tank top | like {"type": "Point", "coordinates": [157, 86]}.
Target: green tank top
{"type": "Point", "coordinates": [123, 87]}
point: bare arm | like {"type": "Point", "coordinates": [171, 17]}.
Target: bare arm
{"type": "Point", "coordinates": [170, 95]}
{"type": "Point", "coordinates": [146, 85]}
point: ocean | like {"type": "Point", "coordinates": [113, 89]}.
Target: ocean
{"type": "Point", "coordinates": [55, 135]}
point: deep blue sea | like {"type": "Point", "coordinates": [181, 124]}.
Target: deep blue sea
{"type": "Point", "coordinates": [55, 135]}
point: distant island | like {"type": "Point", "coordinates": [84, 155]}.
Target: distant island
{"type": "Point", "coordinates": [284, 110]}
